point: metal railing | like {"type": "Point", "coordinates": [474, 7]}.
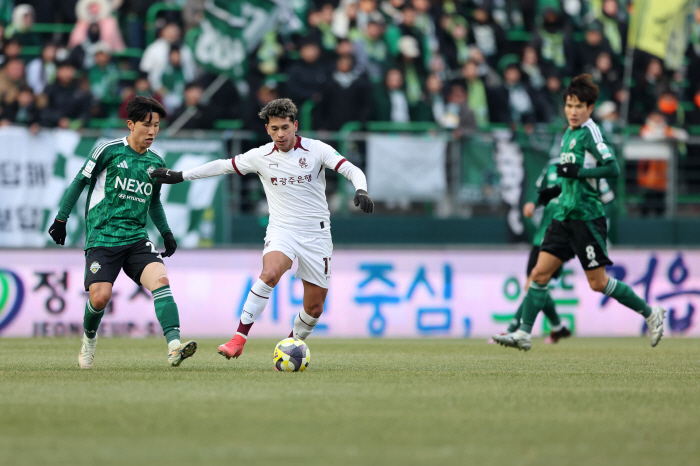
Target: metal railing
{"type": "Point", "coordinates": [475, 188]}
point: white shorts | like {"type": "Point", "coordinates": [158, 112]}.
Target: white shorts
{"type": "Point", "coordinates": [313, 254]}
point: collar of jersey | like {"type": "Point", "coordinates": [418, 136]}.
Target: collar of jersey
{"type": "Point", "coordinates": [581, 126]}
{"type": "Point", "coordinates": [131, 149]}
{"type": "Point", "coordinates": [297, 145]}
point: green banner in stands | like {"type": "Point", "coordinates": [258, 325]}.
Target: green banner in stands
{"type": "Point", "coordinates": [229, 32]}
{"type": "Point", "coordinates": [36, 170]}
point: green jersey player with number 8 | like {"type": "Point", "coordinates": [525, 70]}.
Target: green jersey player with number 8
{"type": "Point", "coordinates": [579, 227]}
{"type": "Point", "coordinates": [120, 196]}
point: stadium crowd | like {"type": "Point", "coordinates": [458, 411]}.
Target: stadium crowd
{"type": "Point", "coordinates": [463, 64]}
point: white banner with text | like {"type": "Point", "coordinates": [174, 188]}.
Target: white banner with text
{"type": "Point", "coordinates": [373, 293]}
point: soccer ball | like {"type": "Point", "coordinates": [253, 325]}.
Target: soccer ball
{"type": "Point", "coordinates": [291, 355]}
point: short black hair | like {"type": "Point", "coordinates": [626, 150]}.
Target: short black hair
{"type": "Point", "coordinates": [66, 62]}
{"type": "Point", "coordinates": [192, 84]}
{"type": "Point", "coordinates": [279, 108]}
{"type": "Point", "coordinates": [139, 108]}
{"type": "Point", "coordinates": [583, 88]}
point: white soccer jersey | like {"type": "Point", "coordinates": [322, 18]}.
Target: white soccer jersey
{"type": "Point", "coordinates": [294, 182]}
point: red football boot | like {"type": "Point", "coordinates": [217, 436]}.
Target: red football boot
{"type": "Point", "coordinates": [233, 348]}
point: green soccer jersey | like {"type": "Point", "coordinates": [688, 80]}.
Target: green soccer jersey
{"type": "Point", "coordinates": [121, 194]}
{"type": "Point", "coordinates": [587, 147]}
{"type": "Point", "coordinates": [548, 179]}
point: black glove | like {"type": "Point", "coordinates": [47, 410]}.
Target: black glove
{"type": "Point", "coordinates": [547, 194]}
{"type": "Point", "coordinates": [170, 243]}
{"type": "Point", "coordinates": [57, 230]}
{"type": "Point", "coordinates": [364, 201]}
{"type": "Point", "coordinates": [167, 176]}
{"type": "Point", "coordinates": [568, 170]}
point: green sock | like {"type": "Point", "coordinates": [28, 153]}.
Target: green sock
{"type": "Point", "coordinates": [166, 312]}
{"type": "Point", "coordinates": [91, 320]}
{"type": "Point", "coordinates": [533, 302]}
{"type": "Point", "coordinates": [550, 311]}
{"type": "Point", "coordinates": [515, 323]}
{"type": "Point", "coordinates": [624, 294]}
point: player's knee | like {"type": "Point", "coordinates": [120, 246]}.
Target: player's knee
{"type": "Point", "coordinates": [598, 284]}
{"type": "Point", "coordinates": [271, 277]}
{"type": "Point", "coordinates": [540, 276]}
{"type": "Point", "coordinates": [314, 309]}
{"type": "Point", "coordinates": [163, 281]}
{"type": "Point", "coordinates": [99, 299]}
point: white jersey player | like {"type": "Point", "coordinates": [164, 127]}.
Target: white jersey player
{"type": "Point", "coordinates": [292, 171]}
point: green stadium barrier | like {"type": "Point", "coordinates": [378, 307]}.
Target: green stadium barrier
{"type": "Point", "coordinates": [52, 27]}
{"type": "Point", "coordinates": [518, 36]}
{"type": "Point", "coordinates": [408, 126]}
{"type": "Point", "coordinates": [372, 229]}
{"type": "Point", "coordinates": [106, 123]}
{"type": "Point", "coordinates": [306, 115]}
{"type": "Point", "coordinates": [129, 53]}
{"type": "Point", "coordinates": [228, 124]}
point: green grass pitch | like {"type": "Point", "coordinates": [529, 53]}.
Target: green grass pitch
{"type": "Point", "coordinates": [361, 402]}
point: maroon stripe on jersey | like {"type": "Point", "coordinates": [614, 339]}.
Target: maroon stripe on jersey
{"type": "Point", "coordinates": [298, 145]}
{"type": "Point", "coordinates": [339, 164]}
{"type": "Point", "coordinates": [233, 161]}
{"type": "Point", "coordinates": [263, 297]}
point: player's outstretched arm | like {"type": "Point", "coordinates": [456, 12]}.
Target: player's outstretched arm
{"type": "Point", "coordinates": [167, 176]}
{"type": "Point", "coordinates": [209, 169]}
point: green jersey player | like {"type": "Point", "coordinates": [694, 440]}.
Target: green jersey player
{"type": "Point", "coordinates": [549, 188]}
{"type": "Point", "coordinates": [120, 196]}
{"type": "Point", "coordinates": [579, 227]}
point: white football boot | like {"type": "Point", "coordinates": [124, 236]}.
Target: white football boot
{"type": "Point", "coordinates": [655, 321]}
{"type": "Point", "coordinates": [518, 339]}
{"type": "Point", "coordinates": [184, 351]}
{"type": "Point", "coordinates": [87, 352]}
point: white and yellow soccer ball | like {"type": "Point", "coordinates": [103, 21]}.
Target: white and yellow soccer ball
{"type": "Point", "coordinates": [291, 355]}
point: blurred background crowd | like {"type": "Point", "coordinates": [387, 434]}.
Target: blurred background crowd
{"type": "Point", "coordinates": [466, 66]}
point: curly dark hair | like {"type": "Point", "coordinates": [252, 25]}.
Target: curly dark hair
{"type": "Point", "coordinates": [583, 88]}
{"type": "Point", "coordinates": [279, 108]}
{"type": "Point", "coordinates": [139, 108]}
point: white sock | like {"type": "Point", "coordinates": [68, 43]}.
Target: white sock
{"type": "Point", "coordinates": [303, 325]}
{"type": "Point", "coordinates": [258, 296]}
{"type": "Point", "coordinates": [173, 345]}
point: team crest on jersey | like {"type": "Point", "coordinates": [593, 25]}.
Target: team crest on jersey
{"type": "Point", "coordinates": [572, 143]}
{"type": "Point", "coordinates": [302, 163]}
{"type": "Point", "coordinates": [150, 169]}
{"type": "Point", "coordinates": [95, 266]}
